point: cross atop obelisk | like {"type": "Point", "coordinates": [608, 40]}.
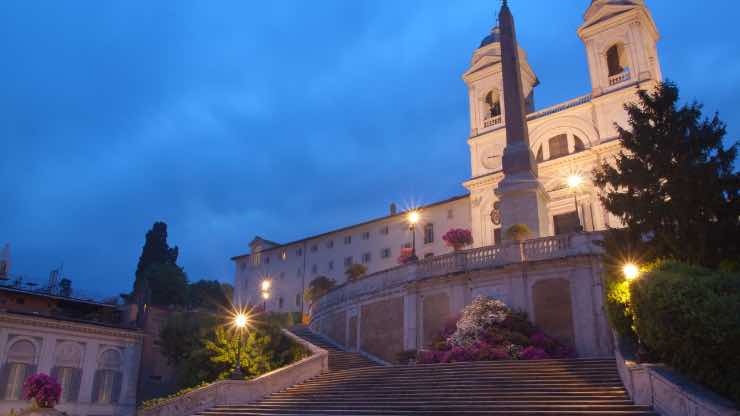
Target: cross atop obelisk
{"type": "Point", "coordinates": [523, 199]}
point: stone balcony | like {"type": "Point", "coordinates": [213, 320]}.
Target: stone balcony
{"type": "Point", "coordinates": [510, 253]}
{"type": "Point", "coordinates": [619, 78]}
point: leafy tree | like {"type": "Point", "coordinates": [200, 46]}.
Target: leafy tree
{"type": "Point", "coordinates": [318, 287]}
{"type": "Point", "coordinates": [355, 271]}
{"type": "Point", "coordinates": [156, 250]}
{"type": "Point", "coordinates": [209, 294]}
{"type": "Point", "coordinates": [168, 284]}
{"type": "Point", "coordinates": [674, 184]}
{"type": "Point", "coordinates": [182, 340]}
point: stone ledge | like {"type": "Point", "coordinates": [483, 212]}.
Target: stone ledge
{"type": "Point", "coordinates": [237, 392]}
{"type": "Point", "coordinates": [669, 393]}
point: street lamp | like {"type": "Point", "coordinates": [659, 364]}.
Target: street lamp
{"type": "Point", "coordinates": [574, 182]}
{"type": "Point", "coordinates": [241, 320]}
{"type": "Point", "coordinates": [413, 218]}
{"type": "Point", "coordinates": [630, 271]}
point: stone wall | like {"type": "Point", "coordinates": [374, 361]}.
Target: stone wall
{"type": "Point", "coordinates": [553, 310]}
{"type": "Point", "coordinates": [382, 328]}
{"type": "Point", "coordinates": [435, 313]}
{"type": "Point", "coordinates": [336, 327]}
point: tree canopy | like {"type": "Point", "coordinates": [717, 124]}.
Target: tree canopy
{"type": "Point", "coordinates": [674, 184]}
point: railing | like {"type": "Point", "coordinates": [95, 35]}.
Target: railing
{"type": "Point", "coordinates": [619, 78]}
{"type": "Point", "coordinates": [461, 261]}
{"type": "Point", "coordinates": [492, 121]}
{"type": "Point", "coordinates": [560, 107]}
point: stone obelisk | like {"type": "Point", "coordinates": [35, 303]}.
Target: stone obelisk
{"type": "Point", "coordinates": [523, 199]}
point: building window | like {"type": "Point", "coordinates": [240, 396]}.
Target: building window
{"type": "Point", "coordinates": [384, 230]}
{"type": "Point", "coordinates": [314, 269]}
{"type": "Point", "coordinates": [67, 370]}
{"type": "Point", "coordinates": [450, 214]}
{"type": "Point", "coordinates": [366, 235]}
{"type": "Point", "coordinates": [347, 239]}
{"type": "Point", "coordinates": [566, 223]}
{"type": "Point", "coordinates": [20, 365]}
{"type": "Point", "coordinates": [299, 251]}
{"type": "Point", "coordinates": [385, 253]}
{"type": "Point", "coordinates": [348, 261]}
{"type": "Point", "coordinates": [314, 248]}
{"type": "Point", "coordinates": [331, 265]}
{"type": "Point", "coordinates": [497, 236]}
{"type": "Point", "coordinates": [297, 299]}
{"type": "Point", "coordinates": [615, 59]}
{"type": "Point", "coordinates": [330, 244]}
{"type": "Point", "coordinates": [494, 104]}
{"type": "Point", "coordinates": [299, 272]}
{"type": "Point", "coordinates": [578, 145]}
{"type": "Point", "coordinates": [428, 233]}
{"type": "Point", "coordinates": [558, 146]}
{"type": "Point", "coordinates": [267, 259]}
{"type": "Point", "coordinates": [107, 380]}
{"type": "Point", "coordinates": [366, 258]}
{"type": "Point", "coordinates": [280, 302]}
{"type": "Point", "coordinates": [282, 275]}
{"type": "Point", "coordinates": [284, 255]}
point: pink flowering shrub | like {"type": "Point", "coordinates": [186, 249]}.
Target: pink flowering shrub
{"type": "Point", "coordinates": [458, 238]}
{"type": "Point", "coordinates": [43, 389]}
{"type": "Point", "coordinates": [405, 255]}
{"type": "Point", "coordinates": [488, 330]}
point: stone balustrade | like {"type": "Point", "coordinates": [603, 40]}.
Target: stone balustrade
{"type": "Point", "coordinates": [236, 392]}
{"type": "Point", "coordinates": [619, 78]}
{"type": "Point", "coordinates": [492, 121]}
{"type": "Point", "coordinates": [511, 252]}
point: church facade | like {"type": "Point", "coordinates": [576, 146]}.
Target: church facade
{"type": "Point", "coordinates": [571, 138]}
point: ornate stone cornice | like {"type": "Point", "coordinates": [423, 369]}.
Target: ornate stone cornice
{"type": "Point", "coordinates": [78, 327]}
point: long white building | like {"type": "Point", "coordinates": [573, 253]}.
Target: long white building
{"type": "Point", "coordinates": [620, 41]}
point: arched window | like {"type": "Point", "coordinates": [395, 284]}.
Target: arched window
{"type": "Point", "coordinates": [494, 104]}
{"type": "Point", "coordinates": [20, 365]}
{"type": "Point", "coordinates": [67, 370]}
{"type": "Point", "coordinates": [558, 146]}
{"type": "Point", "coordinates": [578, 145]}
{"type": "Point", "coordinates": [107, 382]}
{"type": "Point", "coordinates": [615, 59]}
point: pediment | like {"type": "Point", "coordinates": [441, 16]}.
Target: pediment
{"type": "Point", "coordinates": [600, 12]}
{"type": "Point", "coordinates": [483, 62]}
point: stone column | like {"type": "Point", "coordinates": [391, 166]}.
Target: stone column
{"type": "Point", "coordinates": [89, 366]}
{"type": "Point", "coordinates": [410, 321]}
{"type": "Point", "coordinates": [46, 356]}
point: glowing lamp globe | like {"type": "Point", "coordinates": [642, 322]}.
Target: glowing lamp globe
{"type": "Point", "coordinates": [630, 271]}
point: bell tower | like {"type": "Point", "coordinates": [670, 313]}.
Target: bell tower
{"type": "Point", "coordinates": [486, 85]}
{"type": "Point", "coordinates": [621, 44]}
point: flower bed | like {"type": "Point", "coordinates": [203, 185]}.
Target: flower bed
{"type": "Point", "coordinates": [488, 330]}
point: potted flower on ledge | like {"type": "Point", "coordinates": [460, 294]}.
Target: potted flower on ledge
{"type": "Point", "coordinates": [44, 392]}
{"type": "Point", "coordinates": [457, 238]}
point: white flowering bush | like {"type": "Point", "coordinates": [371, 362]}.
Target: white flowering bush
{"type": "Point", "coordinates": [476, 319]}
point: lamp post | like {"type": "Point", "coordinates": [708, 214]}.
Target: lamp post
{"type": "Point", "coordinates": [240, 322]}
{"type": "Point", "coordinates": [266, 284]}
{"type": "Point", "coordinates": [574, 182]}
{"type": "Point", "coordinates": [413, 218]}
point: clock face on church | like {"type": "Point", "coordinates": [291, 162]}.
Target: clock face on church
{"type": "Point", "coordinates": [491, 157]}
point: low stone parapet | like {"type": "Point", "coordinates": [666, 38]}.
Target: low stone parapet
{"type": "Point", "coordinates": [236, 392]}
{"type": "Point", "coordinates": [669, 393]}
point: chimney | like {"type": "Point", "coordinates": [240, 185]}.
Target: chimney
{"type": "Point", "coordinates": [394, 209]}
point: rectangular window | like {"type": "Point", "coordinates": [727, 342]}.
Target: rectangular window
{"type": "Point", "coordinates": [348, 261]}
{"type": "Point", "coordinates": [298, 299]}
{"type": "Point", "coordinates": [299, 251]}
{"type": "Point", "coordinates": [331, 264]}
{"type": "Point", "coordinates": [347, 239]}
{"type": "Point", "coordinates": [298, 272]}
{"type": "Point", "coordinates": [282, 275]}
{"type": "Point", "coordinates": [566, 223]}
{"type": "Point", "coordinates": [330, 244]}
{"type": "Point", "coordinates": [450, 214]}
{"type": "Point", "coordinates": [384, 230]}
{"type": "Point", "coordinates": [267, 259]}
{"type": "Point", "coordinates": [314, 269]}
{"type": "Point", "coordinates": [366, 258]}
{"type": "Point", "coordinates": [497, 236]}
{"type": "Point", "coordinates": [429, 233]}
{"type": "Point", "coordinates": [314, 248]}
{"type": "Point", "coordinates": [558, 146]}
{"type": "Point", "coordinates": [366, 235]}
{"type": "Point", "coordinates": [385, 253]}
{"type": "Point", "coordinates": [284, 255]}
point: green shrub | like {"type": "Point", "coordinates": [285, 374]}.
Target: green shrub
{"type": "Point", "coordinates": [689, 317]}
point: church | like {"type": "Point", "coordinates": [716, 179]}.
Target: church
{"type": "Point", "coordinates": [547, 181]}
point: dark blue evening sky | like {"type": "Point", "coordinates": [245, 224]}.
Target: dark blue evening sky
{"type": "Point", "coordinates": [228, 119]}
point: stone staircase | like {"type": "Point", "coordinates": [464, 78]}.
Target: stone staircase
{"type": "Point", "coordinates": [546, 387]}
{"type": "Point", "coordinates": [338, 359]}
